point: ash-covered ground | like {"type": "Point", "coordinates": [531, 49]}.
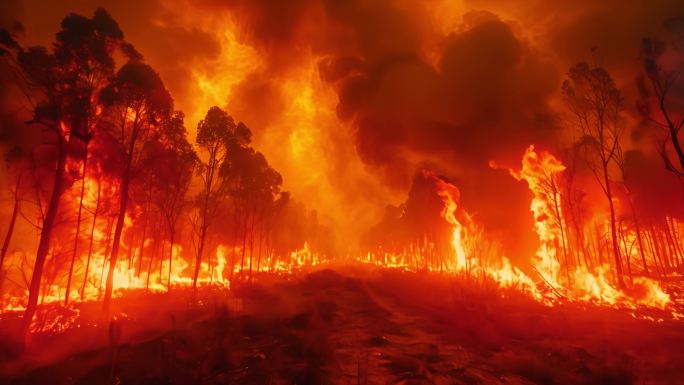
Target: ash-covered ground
{"type": "Point", "coordinates": [353, 326]}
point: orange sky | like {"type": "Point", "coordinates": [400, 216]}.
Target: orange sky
{"type": "Point", "coordinates": [348, 99]}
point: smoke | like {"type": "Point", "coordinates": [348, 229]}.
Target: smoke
{"type": "Point", "coordinates": [348, 99]}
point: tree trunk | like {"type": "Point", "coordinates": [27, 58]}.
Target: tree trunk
{"type": "Point", "coordinates": [90, 246]}
{"type": "Point", "coordinates": [172, 233]}
{"type": "Point", "coordinates": [8, 237]}
{"type": "Point", "coordinates": [613, 229]}
{"type": "Point", "coordinates": [244, 242]}
{"type": "Point", "coordinates": [108, 241]}
{"type": "Point", "coordinates": [78, 228]}
{"type": "Point", "coordinates": [123, 203]}
{"type": "Point", "coordinates": [261, 238]}
{"type": "Point", "coordinates": [640, 242]}
{"type": "Point", "coordinates": [155, 248]}
{"type": "Point", "coordinates": [672, 245]}
{"type": "Point", "coordinates": [236, 222]}
{"type": "Point", "coordinates": [251, 244]}
{"type": "Point", "coordinates": [45, 235]}
{"type": "Point", "coordinates": [673, 131]}
{"type": "Point", "coordinates": [198, 259]}
{"type": "Point", "coordinates": [144, 233]}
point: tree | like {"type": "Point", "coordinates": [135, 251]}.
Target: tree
{"type": "Point", "coordinates": [86, 47]}
{"type": "Point", "coordinates": [172, 168]}
{"type": "Point", "coordinates": [592, 97]}
{"type": "Point", "coordinates": [663, 104]}
{"type": "Point", "coordinates": [17, 167]}
{"type": "Point", "coordinates": [217, 137]}
{"type": "Point", "coordinates": [60, 87]}
{"type": "Point", "coordinates": [138, 103]}
{"type": "Point", "coordinates": [260, 185]}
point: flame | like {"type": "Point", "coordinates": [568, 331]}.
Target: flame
{"type": "Point", "coordinates": [542, 172]}
{"type": "Point", "coordinates": [450, 195]}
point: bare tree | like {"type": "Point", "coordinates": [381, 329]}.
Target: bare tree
{"type": "Point", "coordinates": [592, 97]}
{"type": "Point", "coordinates": [662, 103]}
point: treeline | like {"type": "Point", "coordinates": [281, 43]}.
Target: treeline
{"type": "Point", "coordinates": [618, 199]}
{"type": "Point", "coordinates": [105, 163]}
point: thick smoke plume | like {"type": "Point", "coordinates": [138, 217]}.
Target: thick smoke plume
{"type": "Point", "coordinates": [348, 99]}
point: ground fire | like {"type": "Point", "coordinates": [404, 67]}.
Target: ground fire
{"type": "Point", "coordinates": [323, 192]}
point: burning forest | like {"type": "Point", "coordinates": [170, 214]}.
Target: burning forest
{"type": "Point", "coordinates": [323, 192]}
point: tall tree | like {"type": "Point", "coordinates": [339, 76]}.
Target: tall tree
{"type": "Point", "coordinates": [138, 103]}
{"type": "Point", "coordinates": [662, 102]}
{"type": "Point", "coordinates": [17, 168]}
{"type": "Point", "coordinates": [86, 46]}
{"type": "Point", "coordinates": [592, 97]}
{"type": "Point", "coordinates": [217, 137]}
{"type": "Point", "coordinates": [172, 168]}
{"type": "Point", "coordinates": [60, 86]}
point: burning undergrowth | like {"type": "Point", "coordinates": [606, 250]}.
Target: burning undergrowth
{"type": "Point", "coordinates": [448, 239]}
{"type": "Point", "coordinates": [368, 324]}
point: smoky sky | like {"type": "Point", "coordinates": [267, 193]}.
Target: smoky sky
{"type": "Point", "coordinates": [439, 84]}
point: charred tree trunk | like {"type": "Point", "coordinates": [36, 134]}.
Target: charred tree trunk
{"type": "Point", "coordinates": [8, 236]}
{"type": "Point", "coordinates": [123, 203]}
{"type": "Point", "coordinates": [172, 234]}
{"type": "Point", "coordinates": [90, 246]}
{"type": "Point", "coordinates": [251, 244]}
{"type": "Point", "coordinates": [108, 242]}
{"type": "Point", "coordinates": [627, 256]}
{"type": "Point", "coordinates": [45, 235]}
{"type": "Point", "coordinates": [640, 241]}
{"type": "Point", "coordinates": [78, 228]}
{"type": "Point", "coordinates": [244, 241]}
{"type": "Point", "coordinates": [236, 222]}
{"type": "Point", "coordinates": [261, 238]}
{"type": "Point", "coordinates": [674, 247]}
{"type": "Point", "coordinates": [200, 250]}
{"type": "Point", "coordinates": [144, 233]}
{"type": "Point", "coordinates": [155, 251]}
{"type": "Point", "coordinates": [613, 228]}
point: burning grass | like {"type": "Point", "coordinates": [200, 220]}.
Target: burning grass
{"type": "Point", "coordinates": [361, 324]}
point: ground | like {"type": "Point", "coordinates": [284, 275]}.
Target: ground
{"type": "Point", "coordinates": [356, 326]}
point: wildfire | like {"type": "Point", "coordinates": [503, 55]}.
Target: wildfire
{"type": "Point", "coordinates": [558, 278]}
{"type": "Point", "coordinates": [542, 173]}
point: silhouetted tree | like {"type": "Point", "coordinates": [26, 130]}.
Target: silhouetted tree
{"type": "Point", "coordinates": [662, 103]}
{"type": "Point", "coordinates": [172, 167]}
{"type": "Point", "coordinates": [592, 97]}
{"type": "Point", "coordinates": [137, 104]}
{"type": "Point", "coordinates": [217, 137]}
{"type": "Point", "coordinates": [17, 168]}
{"type": "Point", "coordinates": [86, 47]}
{"type": "Point", "coordinates": [61, 86]}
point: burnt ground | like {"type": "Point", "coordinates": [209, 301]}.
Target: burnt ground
{"type": "Point", "coordinates": [352, 326]}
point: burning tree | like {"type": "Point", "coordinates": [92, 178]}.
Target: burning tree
{"type": "Point", "coordinates": [596, 103]}
{"type": "Point", "coordinates": [62, 86]}
{"type": "Point", "coordinates": [137, 105]}
{"type": "Point", "coordinates": [254, 188]}
{"type": "Point", "coordinates": [172, 164]}
{"type": "Point", "coordinates": [218, 137]}
{"type": "Point", "coordinates": [661, 103]}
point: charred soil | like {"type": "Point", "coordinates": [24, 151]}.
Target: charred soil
{"type": "Point", "coordinates": [355, 326]}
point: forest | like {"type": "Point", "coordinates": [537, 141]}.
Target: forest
{"type": "Point", "coordinates": [366, 199]}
